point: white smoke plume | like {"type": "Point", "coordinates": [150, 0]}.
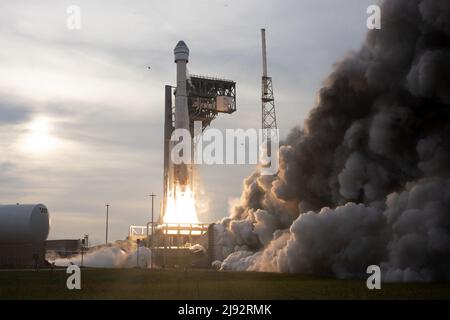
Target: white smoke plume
{"type": "Point", "coordinates": [367, 179]}
{"type": "Point", "coordinates": [109, 257]}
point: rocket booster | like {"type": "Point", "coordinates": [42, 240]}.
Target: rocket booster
{"type": "Point", "coordinates": [181, 52]}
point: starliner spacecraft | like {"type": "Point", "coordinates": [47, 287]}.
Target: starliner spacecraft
{"type": "Point", "coordinates": [197, 98]}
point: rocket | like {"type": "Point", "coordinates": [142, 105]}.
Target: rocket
{"type": "Point", "coordinates": [181, 52]}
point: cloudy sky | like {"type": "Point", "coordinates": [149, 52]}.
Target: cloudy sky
{"type": "Point", "coordinates": [81, 115]}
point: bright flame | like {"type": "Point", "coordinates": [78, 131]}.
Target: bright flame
{"type": "Point", "coordinates": [180, 208]}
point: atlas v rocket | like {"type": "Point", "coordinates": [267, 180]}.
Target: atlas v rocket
{"type": "Point", "coordinates": [181, 52]}
{"type": "Point", "coordinates": [207, 97]}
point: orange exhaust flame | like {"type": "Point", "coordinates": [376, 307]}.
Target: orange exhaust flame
{"type": "Point", "coordinates": [180, 207]}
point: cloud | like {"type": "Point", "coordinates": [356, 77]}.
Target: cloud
{"type": "Point", "coordinates": [12, 113]}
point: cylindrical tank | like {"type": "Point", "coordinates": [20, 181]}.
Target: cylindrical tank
{"type": "Point", "coordinates": [29, 223]}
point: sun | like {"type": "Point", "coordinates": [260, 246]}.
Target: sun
{"type": "Point", "coordinates": [38, 138]}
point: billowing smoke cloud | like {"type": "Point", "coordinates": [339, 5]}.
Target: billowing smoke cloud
{"type": "Point", "coordinates": [367, 180]}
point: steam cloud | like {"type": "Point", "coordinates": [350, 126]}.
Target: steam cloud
{"type": "Point", "coordinates": [109, 257]}
{"type": "Point", "coordinates": [367, 180]}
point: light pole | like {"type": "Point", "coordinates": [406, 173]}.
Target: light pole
{"type": "Point", "coordinates": [137, 252]}
{"type": "Point", "coordinates": [153, 230]}
{"type": "Point", "coordinates": [107, 217]}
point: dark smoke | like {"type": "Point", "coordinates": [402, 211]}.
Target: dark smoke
{"type": "Point", "coordinates": [367, 180]}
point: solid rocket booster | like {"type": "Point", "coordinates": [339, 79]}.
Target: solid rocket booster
{"type": "Point", "coordinates": [181, 52]}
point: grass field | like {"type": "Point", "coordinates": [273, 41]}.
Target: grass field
{"type": "Point", "coordinates": [201, 284]}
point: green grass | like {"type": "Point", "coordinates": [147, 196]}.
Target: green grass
{"type": "Point", "coordinates": [202, 284]}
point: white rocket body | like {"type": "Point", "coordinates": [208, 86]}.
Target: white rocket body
{"type": "Point", "coordinates": [181, 52]}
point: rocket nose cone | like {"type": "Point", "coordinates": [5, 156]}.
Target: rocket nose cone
{"type": "Point", "coordinates": [181, 51]}
{"type": "Point", "coordinates": [181, 45]}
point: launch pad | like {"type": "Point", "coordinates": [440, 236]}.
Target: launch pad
{"type": "Point", "coordinates": [173, 235]}
{"type": "Point", "coordinates": [170, 235]}
{"type": "Point", "coordinates": [177, 245]}
{"type": "Point", "coordinates": [181, 245]}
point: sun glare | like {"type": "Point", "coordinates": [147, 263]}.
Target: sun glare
{"type": "Point", "coordinates": [38, 137]}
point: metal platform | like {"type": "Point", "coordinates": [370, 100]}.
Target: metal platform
{"type": "Point", "coordinates": [172, 235]}
{"type": "Point", "coordinates": [208, 96]}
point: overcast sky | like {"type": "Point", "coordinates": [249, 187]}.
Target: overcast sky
{"type": "Point", "coordinates": [81, 115]}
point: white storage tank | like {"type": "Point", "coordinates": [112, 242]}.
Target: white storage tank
{"type": "Point", "coordinates": [28, 223]}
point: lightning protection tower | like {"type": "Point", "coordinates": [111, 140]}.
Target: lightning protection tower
{"type": "Point", "coordinates": [269, 118]}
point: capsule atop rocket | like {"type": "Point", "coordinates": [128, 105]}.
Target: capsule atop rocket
{"type": "Point", "coordinates": [181, 53]}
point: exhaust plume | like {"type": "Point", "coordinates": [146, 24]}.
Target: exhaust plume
{"type": "Point", "coordinates": [367, 179]}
